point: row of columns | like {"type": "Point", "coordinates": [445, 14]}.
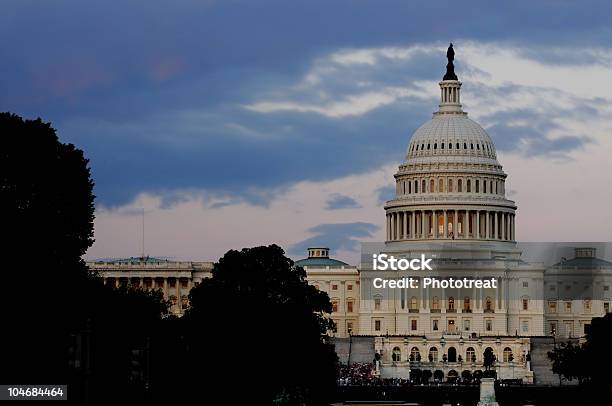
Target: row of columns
{"type": "Point", "coordinates": [456, 224]}
{"type": "Point", "coordinates": [155, 284]}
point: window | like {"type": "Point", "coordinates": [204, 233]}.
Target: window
{"type": "Point", "coordinates": [433, 354]}
{"type": "Point", "coordinates": [525, 304]}
{"type": "Point", "coordinates": [334, 306]}
{"type": "Point", "coordinates": [459, 184]}
{"type": "Point", "coordinates": [172, 283]}
{"type": "Point", "coordinates": [552, 328]}
{"type": "Point", "coordinates": [606, 288]}
{"type": "Point", "coordinates": [525, 326]}
{"type": "Point", "coordinates": [488, 304]}
{"type": "Point", "coordinates": [466, 325]}
{"type": "Point", "coordinates": [466, 304]}
{"type": "Point", "coordinates": [377, 303]}
{"type": "Point", "coordinates": [413, 324]}
{"type": "Point", "coordinates": [434, 325]}
{"type": "Point", "coordinates": [184, 302]}
{"type": "Point", "coordinates": [349, 306]}
{"type": "Point", "coordinates": [450, 185]}
{"type": "Point", "coordinates": [489, 325]}
{"type": "Point", "coordinates": [413, 303]}
{"type": "Point", "coordinates": [606, 307]}
{"type": "Point", "coordinates": [508, 355]}
{"type": "Point", "coordinates": [477, 186]}
{"type": "Point", "coordinates": [432, 186]}
{"type": "Point", "coordinates": [396, 356]}
{"type": "Point", "coordinates": [416, 186]}
{"type": "Point", "coordinates": [435, 303]}
{"type": "Point", "coordinates": [376, 325]}
{"type": "Point", "coordinates": [173, 300]}
{"type": "Point", "coordinates": [334, 287]}
{"type": "Point", "coordinates": [568, 306]}
{"type": "Point", "coordinates": [414, 354]}
{"type": "Point", "coordinates": [423, 185]}
{"type": "Point", "coordinates": [451, 303]}
{"type": "Point", "coordinates": [525, 284]}
{"type": "Point", "coordinates": [349, 287]}
{"type": "Point", "coordinates": [587, 306]}
{"type": "Point", "coordinates": [184, 284]}
{"type": "Point", "coordinates": [469, 186]}
{"type": "Point", "coordinates": [552, 306]}
{"type": "Point", "coordinates": [441, 185]}
{"type": "Point", "coordinates": [349, 327]}
{"type": "Point", "coordinates": [470, 355]}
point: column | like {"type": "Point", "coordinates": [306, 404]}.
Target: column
{"type": "Point", "coordinates": [387, 227]}
{"type": "Point", "coordinates": [487, 225]}
{"type": "Point", "coordinates": [405, 235]}
{"type": "Point", "coordinates": [466, 224]}
{"type": "Point", "coordinates": [398, 223]}
{"type": "Point", "coordinates": [503, 225]}
{"type": "Point", "coordinates": [455, 221]}
{"type": "Point", "coordinates": [435, 223]}
{"type": "Point", "coordinates": [412, 225]}
{"type": "Point", "coordinates": [445, 224]}
{"type": "Point", "coordinates": [478, 224]}
{"type": "Point", "coordinates": [422, 223]}
{"type": "Point", "coordinates": [495, 225]}
{"type": "Point", "coordinates": [165, 288]}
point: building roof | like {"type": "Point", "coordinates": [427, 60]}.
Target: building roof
{"type": "Point", "coordinates": [133, 260]}
{"type": "Point", "coordinates": [583, 263]}
{"type": "Point", "coordinates": [320, 261]}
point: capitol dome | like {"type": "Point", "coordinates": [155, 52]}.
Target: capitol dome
{"type": "Point", "coordinates": [451, 185]}
{"type": "Point", "coordinates": [451, 137]}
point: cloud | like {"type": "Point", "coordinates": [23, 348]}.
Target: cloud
{"type": "Point", "coordinates": [342, 236]}
{"type": "Point", "coordinates": [338, 201]}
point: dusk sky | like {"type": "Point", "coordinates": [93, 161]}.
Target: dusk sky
{"type": "Point", "coordinates": [242, 123]}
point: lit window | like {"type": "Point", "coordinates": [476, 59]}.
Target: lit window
{"type": "Point", "coordinates": [413, 303]}
{"type": "Point", "coordinates": [568, 306]}
{"type": "Point", "coordinates": [552, 306]}
{"type": "Point", "coordinates": [450, 185]}
{"type": "Point", "coordinates": [508, 354]}
{"type": "Point", "coordinates": [435, 303]}
{"type": "Point", "coordinates": [451, 303]}
{"type": "Point", "coordinates": [334, 306]}
{"type": "Point", "coordinates": [470, 354]}
{"type": "Point", "coordinates": [441, 185]}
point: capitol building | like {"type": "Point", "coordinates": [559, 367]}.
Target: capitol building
{"type": "Point", "coordinates": [450, 204]}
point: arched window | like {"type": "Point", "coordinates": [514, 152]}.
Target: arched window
{"type": "Point", "coordinates": [428, 146]}
{"type": "Point", "coordinates": [433, 354]}
{"type": "Point", "coordinates": [450, 186]}
{"type": "Point", "coordinates": [466, 303]}
{"type": "Point", "coordinates": [435, 303]}
{"type": "Point", "coordinates": [396, 355]}
{"type": "Point", "coordinates": [459, 186]}
{"type": "Point", "coordinates": [442, 145]}
{"type": "Point", "coordinates": [469, 186]}
{"type": "Point", "coordinates": [490, 186]}
{"type": "Point", "coordinates": [451, 303]}
{"type": "Point", "coordinates": [452, 354]}
{"type": "Point", "coordinates": [470, 355]}
{"type": "Point", "coordinates": [508, 355]}
{"type": "Point", "coordinates": [477, 186]}
{"type": "Point", "coordinates": [414, 354]}
{"type": "Point", "coordinates": [436, 145]}
{"type": "Point", "coordinates": [416, 186]}
{"type": "Point", "coordinates": [423, 185]}
{"type": "Point", "coordinates": [441, 185]}
{"type": "Point", "coordinates": [457, 145]}
{"type": "Point", "coordinates": [450, 145]}
{"type": "Point", "coordinates": [465, 145]}
{"type": "Point", "coordinates": [432, 185]}
{"type": "Point", "coordinates": [409, 187]}
{"type": "Point", "coordinates": [413, 303]}
{"type": "Point", "coordinates": [488, 304]}
{"type": "Point", "coordinates": [484, 187]}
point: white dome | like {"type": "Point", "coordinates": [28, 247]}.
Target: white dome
{"type": "Point", "coordinates": [451, 137]}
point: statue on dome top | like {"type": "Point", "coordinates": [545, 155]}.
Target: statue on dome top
{"type": "Point", "coordinates": [450, 67]}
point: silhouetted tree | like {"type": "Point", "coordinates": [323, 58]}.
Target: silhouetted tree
{"type": "Point", "coordinates": [257, 332]}
{"type": "Point", "coordinates": [46, 209]}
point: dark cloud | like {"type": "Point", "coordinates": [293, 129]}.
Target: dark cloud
{"type": "Point", "coordinates": [341, 236]}
{"type": "Point", "coordinates": [153, 91]}
{"type": "Point", "coordinates": [338, 201]}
